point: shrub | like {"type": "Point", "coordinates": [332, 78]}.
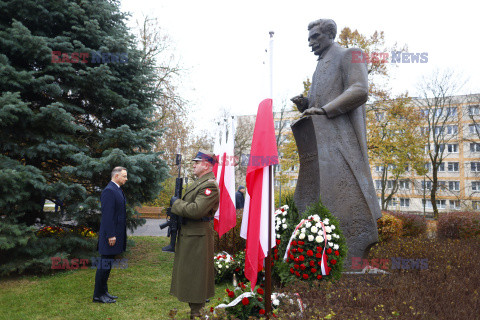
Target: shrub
{"type": "Point", "coordinates": [459, 225]}
{"type": "Point", "coordinates": [412, 225]}
{"type": "Point", "coordinates": [389, 227]}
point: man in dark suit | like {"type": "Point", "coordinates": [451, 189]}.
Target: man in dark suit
{"type": "Point", "coordinates": [112, 238]}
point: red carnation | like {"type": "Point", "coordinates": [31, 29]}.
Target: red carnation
{"type": "Point", "coordinates": [329, 250]}
{"type": "Point", "coordinates": [260, 299]}
{"type": "Point", "coordinates": [305, 276]}
{"type": "Point", "coordinates": [300, 250]}
{"type": "Point", "coordinates": [294, 243]}
{"type": "Point", "coordinates": [319, 277]}
{"type": "Point", "coordinates": [237, 269]}
{"type": "Point", "coordinates": [291, 256]}
{"type": "Point", "coordinates": [292, 271]}
{"type": "Point", "coordinates": [318, 255]}
{"type": "Point", "coordinates": [296, 266]}
{"type": "Point", "coordinates": [337, 253]}
{"type": "Point", "coordinates": [294, 250]}
{"type": "Point", "coordinates": [313, 270]}
{"type": "Point", "coordinates": [211, 309]}
{"type": "Point", "coordinates": [245, 301]}
{"type": "Point", "coordinates": [297, 273]}
{"type": "Point", "coordinates": [276, 256]}
{"type": "Point", "coordinates": [312, 263]}
{"type": "Point", "coordinates": [282, 209]}
{"type": "Point", "coordinates": [260, 291]}
{"type": "Point", "coordinates": [278, 241]}
{"type": "Point", "coordinates": [296, 260]}
{"type": "Point", "coordinates": [301, 258]}
{"type": "Point", "coordinates": [276, 250]}
{"type": "Point", "coordinates": [231, 294]}
{"type": "Point", "coordinates": [333, 261]}
{"type": "Point", "coordinates": [309, 253]}
{"type": "Point", "coordinates": [319, 249]}
{"type": "Point", "coordinates": [302, 266]}
{"type": "Point", "coordinates": [301, 243]}
{"type": "Point", "coordinates": [319, 263]}
{"type": "Point", "coordinates": [261, 311]}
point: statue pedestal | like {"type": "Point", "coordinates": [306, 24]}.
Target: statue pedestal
{"type": "Point", "coordinates": [333, 168]}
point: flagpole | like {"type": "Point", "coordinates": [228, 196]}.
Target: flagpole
{"type": "Point", "coordinates": [268, 260]}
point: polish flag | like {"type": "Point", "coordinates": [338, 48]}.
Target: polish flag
{"type": "Point", "coordinates": [224, 169]}
{"type": "Point", "coordinates": [256, 212]}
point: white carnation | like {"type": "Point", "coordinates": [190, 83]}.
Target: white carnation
{"type": "Point", "coordinates": [302, 236]}
{"type": "Point", "coordinates": [278, 236]}
{"type": "Point", "coordinates": [333, 227]}
{"type": "Point", "coordinates": [335, 247]}
{"type": "Point", "coordinates": [308, 224]}
{"type": "Point", "coordinates": [328, 229]}
{"type": "Point", "coordinates": [310, 237]}
{"type": "Point", "coordinates": [276, 302]}
{"type": "Point", "coordinates": [284, 220]}
{"type": "Point", "coordinates": [303, 230]}
{"type": "Point", "coordinates": [219, 266]}
{"type": "Point", "coordinates": [319, 239]}
{"type": "Point", "coordinates": [314, 229]}
{"type": "Point", "coordinates": [329, 237]}
{"type": "Point", "coordinates": [316, 218]}
{"type": "Point", "coordinates": [284, 226]}
{"type": "Point", "coordinates": [326, 221]}
{"type": "Point", "coordinates": [284, 213]}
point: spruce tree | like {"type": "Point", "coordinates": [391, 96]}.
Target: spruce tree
{"type": "Point", "coordinates": [65, 125]}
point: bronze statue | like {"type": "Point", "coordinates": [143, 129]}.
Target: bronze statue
{"type": "Point", "coordinates": [331, 140]}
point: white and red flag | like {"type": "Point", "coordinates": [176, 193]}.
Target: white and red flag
{"type": "Point", "coordinates": [225, 217]}
{"type": "Point", "coordinates": [257, 209]}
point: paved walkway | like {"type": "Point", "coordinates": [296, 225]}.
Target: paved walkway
{"type": "Point", "coordinates": [150, 228]}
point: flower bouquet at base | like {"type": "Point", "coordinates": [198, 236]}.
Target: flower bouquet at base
{"type": "Point", "coordinates": [242, 303]}
{"type": "Point", "coordinates": [317, 247]}
{"type": "Point", "coordinates": [224, 265]}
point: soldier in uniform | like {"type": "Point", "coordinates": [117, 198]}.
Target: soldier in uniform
{"type": "Point", "coordinates": [193, 278]}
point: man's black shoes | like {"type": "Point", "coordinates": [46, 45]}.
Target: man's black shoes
{"type": "Point", "coordinates": [103, 299]}
{"type": "Point", "coordinates": [111, 296]}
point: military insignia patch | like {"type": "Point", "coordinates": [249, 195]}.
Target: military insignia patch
{"type": "Point", "coordinates": [208, 192]}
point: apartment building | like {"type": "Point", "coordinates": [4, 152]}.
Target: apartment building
{"type": "Point", "coordinates": [458, 174]}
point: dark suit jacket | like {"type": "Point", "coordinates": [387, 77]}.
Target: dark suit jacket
{"type": "Point", "coordinates": [113, 223]}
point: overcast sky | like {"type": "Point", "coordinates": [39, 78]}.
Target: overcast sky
{"type": "Point", "coordinates": [222, 44]}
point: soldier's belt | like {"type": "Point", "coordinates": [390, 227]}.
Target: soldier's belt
{"type": "Point", "coordinates": [203, 219]}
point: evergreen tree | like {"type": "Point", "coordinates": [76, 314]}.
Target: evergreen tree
{"type": "Point", "coordinates": [65, 125]}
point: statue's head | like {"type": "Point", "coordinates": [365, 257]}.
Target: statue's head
{"type": "Point", "coordinates": [321, 34]}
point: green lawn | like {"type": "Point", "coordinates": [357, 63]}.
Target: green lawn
{"type": "Point", "coordinates": [143, 289]}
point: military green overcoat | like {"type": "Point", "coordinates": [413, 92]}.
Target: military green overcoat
{"type": "Point", "coordinates": [193, 278]}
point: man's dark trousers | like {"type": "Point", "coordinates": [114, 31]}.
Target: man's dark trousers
{"type": "Point", "coordinates": [103, 272]}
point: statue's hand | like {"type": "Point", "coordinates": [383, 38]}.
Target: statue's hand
{"type": "Point", "coordinates": [301, 102]}
{"type": "Point", "coordinates": [313, 111]}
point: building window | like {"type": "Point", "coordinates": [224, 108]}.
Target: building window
{"type": "Point", "coordinates": [474, 147]}
{"type": "Point", "coordinates": [438, 130]}
{"type": "Point", "coordinates": [452, 148]}
{"type": "Point", "coordinates": [428, 166]}
{"type": "Point", "coordinates": [440, 148]}
{"type": "Point", "coordinates": [476, 205]}
{"type": "Point", "coordinates": [392, 202]}
{"type": "Point", "coordinates": [455, 204]}
{"type": "Point", "coordinates": [476, 185]}
{"type": "Point", "coordinates": [473, 110]}
{"type": "Point", "coordinates": [441, 185]}
{"type": "Point", "coordinates": [390, 184]}
{"type": "Point", "coordinates": [441, 204]}
{"type": "Point", "coordinates": [452, 111]}
{"type": "Point", "coordinates": [475, 166]}
{"type": "Point", "coordinates": [380, 116]}
{"type": "Point", "coordinates": [378, 184]}
{"type": "Point", "coordinates": [454, 185]}
{"type": "Point", "coordinates": [404, 202]}
{"type": "Point", "coordinates": [453, 167]}
{"type": "Point", "coordinates": [379, 168]}
{"type": "Point", "coordinates": [474, 128]}
{"type": "Point", "coordinates": [452, 130]}
{"type": "Point", "coordinates": [404, 184]}
{"type": "Point", "coordinates": [441, 167]}
{"type": "Point", "coordinates": [427, 203]}
{"type": "Point", "coordinates": [428, 185]}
